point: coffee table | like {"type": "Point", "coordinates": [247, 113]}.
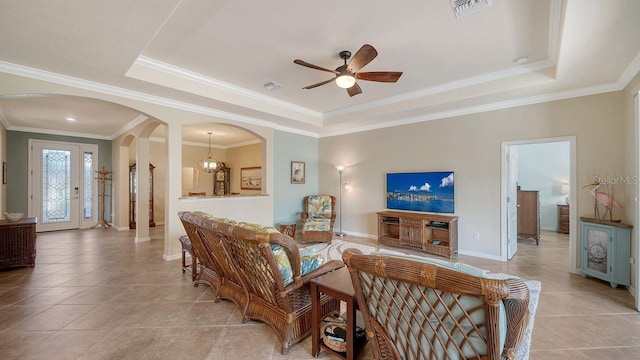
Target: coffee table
{"type": "Point", "coordinates": [336, 284]}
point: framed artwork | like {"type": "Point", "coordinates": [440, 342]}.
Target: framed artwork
{"type": "Point", "coordinates": [297, 172]}
{"type": "Point", "coordinates": [251, 178]}
{"type": "Point", "coordinates": [4, 172]}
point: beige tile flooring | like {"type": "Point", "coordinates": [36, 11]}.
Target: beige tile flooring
{"type": "Point", "coordinates": [95, 294]}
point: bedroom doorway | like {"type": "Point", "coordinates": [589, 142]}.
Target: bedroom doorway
{"type": "Point", "coordinates": [545, 173]}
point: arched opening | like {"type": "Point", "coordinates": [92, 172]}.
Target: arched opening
{"type": "Point", "coordinates": [239, 156]}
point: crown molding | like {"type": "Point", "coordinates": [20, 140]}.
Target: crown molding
{"type": "Point", "coordinates": [629, 72]}
{"type": "Point", "coordinates": [176, 71]}
{"type": "Point", "coordinates": [454, 85]}
{"type": "Point", "coordinates": [58, 132]}
{"type": "Point", "coordinates": [3, 119]}
{"type": "Point", "coordinates": [592, 90]}
{"type": "Point", "coordinates": [131, 94]}
{"type": "Point", "coordinates": [130, 125]}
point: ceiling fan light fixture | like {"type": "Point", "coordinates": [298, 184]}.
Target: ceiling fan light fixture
{"type": "Point", "coordinates": [345, 81]}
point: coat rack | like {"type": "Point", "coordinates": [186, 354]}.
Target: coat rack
{"type": "Point", "coordinates": [103, 177]}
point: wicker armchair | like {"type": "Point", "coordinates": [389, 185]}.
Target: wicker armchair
{"type": "Point", "coordinates": [419, 310]}
{"type": "Point", "coordinates": [318, 217]}
{"type": "Point", "coordinates": [286, 308]}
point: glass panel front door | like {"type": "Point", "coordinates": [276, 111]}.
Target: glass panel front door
{"type": "Point", "coordinates": [62, 185]}
{"type": "Point", "coordinates": [56, 186]}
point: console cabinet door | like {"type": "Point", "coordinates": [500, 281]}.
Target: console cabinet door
{"type": "Point", "coordinates": [606, 251]}
{"type": "Point", "coordinates": [595, 251]}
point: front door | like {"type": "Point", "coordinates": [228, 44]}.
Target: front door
{"type": "Point", "coordinates": [63, 191]}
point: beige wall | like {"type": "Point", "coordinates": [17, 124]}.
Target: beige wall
{"type": "Point", "coordinates": [191, 155]}
{"type": "Point", "coordinates": [471, 146]}
{"type": "Point", "coordinates": [243, 157]}
{"type": "Point", "coordinates": [631, 169]}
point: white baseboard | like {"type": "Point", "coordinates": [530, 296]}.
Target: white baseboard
{"type": "Point", "coordinates": [172, 257]}
{"type": "Point", "coordinates": [142, 239]}
{"type": "Point", "coordinates": [480, 255]}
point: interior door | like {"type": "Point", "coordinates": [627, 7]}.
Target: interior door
{"type": "Point", "coordinates": [512, 202]}
{"type": "Point", "coordinates": [63, 191]}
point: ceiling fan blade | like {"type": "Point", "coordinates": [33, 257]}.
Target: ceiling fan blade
{"type": "Point", "coordinates": [318, 84]}
{"type": "Point", "coordinates": [304, 63]}
{"type": "Point", "coordinates": [381, 76]}
{"type": "Point", "coordinates": [354, 90]}
{"type": "Point", "coordinates": [362, 58]}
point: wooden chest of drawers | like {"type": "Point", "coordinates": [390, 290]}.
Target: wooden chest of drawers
{"type": "Point", "coordinates": [563, 219]}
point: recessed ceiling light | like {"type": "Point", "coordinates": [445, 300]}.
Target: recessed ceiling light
{"type": "Point", "coordinates": [70, 118]}
{"type": "Point", "coordinates": [521, 59]}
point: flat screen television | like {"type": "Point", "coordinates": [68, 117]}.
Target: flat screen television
{"type": "Point", "coordinates": [421, 191]}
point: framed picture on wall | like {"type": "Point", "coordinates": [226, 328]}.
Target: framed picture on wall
{"type": "Point", "coordinates": [251, 178]}
{"type": "Point", "coordinates": [297, 172]}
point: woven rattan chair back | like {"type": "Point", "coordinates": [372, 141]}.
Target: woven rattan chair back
{"type": "Point", "coordinates": [210, 270]}
{"type": "Point", "coordinates": [286, 309]}
{"type": "Point", "coordinates": [231, 287]}
{"type": "Point", "coordinates": [417, 310]}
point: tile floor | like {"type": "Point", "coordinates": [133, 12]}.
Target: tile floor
{"type": "Point", "coordinates": [95, 294]}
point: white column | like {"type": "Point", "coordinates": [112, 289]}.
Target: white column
{"type": "Point", "coordinates": [173, 191]}
{"type": "Point", "coordinates": [142, 195]}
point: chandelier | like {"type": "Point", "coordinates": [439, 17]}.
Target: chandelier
{"type": "Point", "coordinates": [209, 164]}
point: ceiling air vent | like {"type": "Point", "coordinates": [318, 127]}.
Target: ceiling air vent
{"type": "Point", "coordinates": [466, 7]}
{"type": "Point", "coordinates": [272, 85]}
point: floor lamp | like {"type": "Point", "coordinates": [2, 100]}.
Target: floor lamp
{"type": "Point", "coordinates": [340, 233]}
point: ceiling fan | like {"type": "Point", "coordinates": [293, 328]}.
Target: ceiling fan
{"type": "Point", "coordinates": [347, 74]}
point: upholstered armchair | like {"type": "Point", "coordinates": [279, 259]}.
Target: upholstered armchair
{"type": "Point", "coordinates": [424, 310]}
{"type": "Point", "coordinates": [318, 217]}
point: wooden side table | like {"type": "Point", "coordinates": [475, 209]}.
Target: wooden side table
{"type": "Point", "coordinates": [336, 284]}
{"type": "Point", "coordinates": [186, 249]}
{"type": "Point", "coordinates": [288, 229]}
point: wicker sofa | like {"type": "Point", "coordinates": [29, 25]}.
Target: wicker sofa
{"type": "Point", "coordinates": [434, 310]}
{"type": "Point", "coordinates": [260, 270]}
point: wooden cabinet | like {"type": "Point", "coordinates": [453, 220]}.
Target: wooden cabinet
{"type": "Point", "coordinates": [563, 219]}
{"type": "Point", "coordinates": [434, 234]}
{"type": "Point", "coordinates": [529, 215]}
{"type": "Point", "coordinates": [133, 190]}
{"type": "Point", "coordinates": [221, 181]}
{"type": "Point", "coordinates": [605, 251]}
{"type": "Point", "coordinates": [18, 243]}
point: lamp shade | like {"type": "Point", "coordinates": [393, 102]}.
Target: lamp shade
{"type": "Point", "coordinates": [345, 81]}
{"type": "Point", "coordinates": [564, 190]}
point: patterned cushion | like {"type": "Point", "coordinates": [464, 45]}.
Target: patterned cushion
{"type": "Point", "coordinates": [309, 261]}
{"type": "Point", "coordinates": [317, 225]}
{"type": "Point", "coordinates": [258, 228]}
{"type": "Point", "coordinates": [319, 206]}
{"type": "Point", "coordinates": [209, 216]}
